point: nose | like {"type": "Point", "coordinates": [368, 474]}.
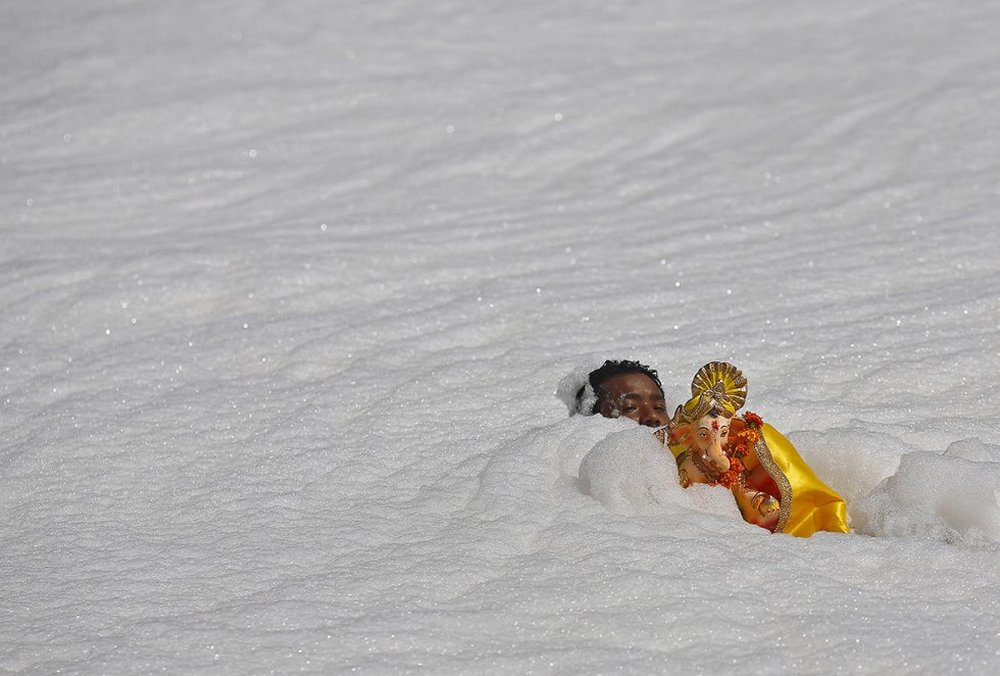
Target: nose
{"type": "Point", "coordinates": [720, 464]}
{"type": "Point", "coordinates": [652, 417]}
{"type": "Point", "coordinates": [717, 458]}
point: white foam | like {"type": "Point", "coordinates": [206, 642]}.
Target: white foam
{"type": "Point", "coordinates": [933, 496]}
{"type": "Point", "coordinates": [630, 472]}
{"type": "Point", "coordinates": [286, 292]}
{"type": "Point", "coordinates": [571, 384]}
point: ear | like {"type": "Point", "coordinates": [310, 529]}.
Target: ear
{"type": "Point", "coordinates": [677, 415]}
{"type": "Point", "coordinates": [680, 434]}
{"type": "Point", "coordinates": [601, 405]}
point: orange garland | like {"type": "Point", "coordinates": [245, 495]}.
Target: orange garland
{"type": "Point", "coordinates": [732, 475]}
{"type": "Point", "coordinates": [739, 444]}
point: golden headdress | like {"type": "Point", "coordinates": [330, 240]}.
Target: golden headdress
{"type": "Point", "coordinates": [717, 385]}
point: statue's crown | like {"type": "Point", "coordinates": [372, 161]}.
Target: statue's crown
{"type": "Point", "coordinates": [717, 385]}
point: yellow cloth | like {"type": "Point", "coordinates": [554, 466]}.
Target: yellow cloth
{"type": "Point", "coordinates": [807, 504]}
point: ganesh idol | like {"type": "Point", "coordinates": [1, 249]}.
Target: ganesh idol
{"type": "Point", "coordinates": [773, 486]}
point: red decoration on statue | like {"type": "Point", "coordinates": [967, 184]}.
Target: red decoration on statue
{"type": "Point", "coordinates": [732, 475]}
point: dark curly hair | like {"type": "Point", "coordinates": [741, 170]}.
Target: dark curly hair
{"type": "Point", "coordinates": [609, 370]}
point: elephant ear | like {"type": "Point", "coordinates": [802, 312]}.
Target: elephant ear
{"type": "Point", "coordinates": [723, 384]}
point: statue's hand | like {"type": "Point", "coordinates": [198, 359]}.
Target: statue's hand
{"type": "Point", "coordinates": [757, 507]}
{"type": "Point", "coordinates": [764, 503]}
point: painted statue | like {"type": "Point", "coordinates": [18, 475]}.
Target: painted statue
{"type": "Point", "coordinates": [773, 486]}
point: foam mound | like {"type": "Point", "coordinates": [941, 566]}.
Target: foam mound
{"type": "Point", "coordinates": [629, 472]}
{"type": "Point", "coordinates": [941, 497]}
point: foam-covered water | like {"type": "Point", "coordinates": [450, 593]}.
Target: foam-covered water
{"type": "Point", "coordinates": [288, 290]}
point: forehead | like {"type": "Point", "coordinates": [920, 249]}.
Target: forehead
{"type": "Point", "coordinates": [708, 420]}
{"type": "Point", "coordinates": [631, 383]}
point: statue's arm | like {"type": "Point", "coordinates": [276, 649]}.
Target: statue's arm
{"type": "Point", "coordinates": [757, 507]}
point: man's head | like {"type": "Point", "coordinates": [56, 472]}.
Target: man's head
{"type": "Point", "coordinates": [628, 389]}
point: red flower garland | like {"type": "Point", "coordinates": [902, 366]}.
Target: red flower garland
{"type": "Point", "coordinates": [732, 475]}
{"type": "Point", "coordinates": [740, 444]}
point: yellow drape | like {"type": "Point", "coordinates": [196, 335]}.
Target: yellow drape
{"type": "Point", "coordinates": [807, 504]}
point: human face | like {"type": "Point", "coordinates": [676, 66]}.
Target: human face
{"type": "Point", "coordinates": [635, 396]}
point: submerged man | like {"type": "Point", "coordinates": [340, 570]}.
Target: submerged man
{"type": "Point", "coordinates": [625, 389]}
